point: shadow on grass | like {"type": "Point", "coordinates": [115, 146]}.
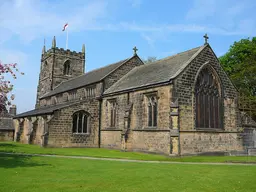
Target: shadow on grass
{"type": "Point", "coordinates": [14, 161]}
{"type": "Point", "coordinates": [8, 145]}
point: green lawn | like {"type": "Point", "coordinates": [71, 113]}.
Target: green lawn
{"type": "Point", "coordinates": [30, 174]}
{"type": "Point", "coordinates": [13, 147]}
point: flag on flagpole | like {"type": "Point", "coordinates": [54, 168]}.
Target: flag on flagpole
{"type": "Point", "coordinates": [64, 29]}
{"type": "Point", "coordinates": [65, 26]}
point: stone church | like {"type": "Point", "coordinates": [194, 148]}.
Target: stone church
{"type": "Point", "coordinates": [181, 104]}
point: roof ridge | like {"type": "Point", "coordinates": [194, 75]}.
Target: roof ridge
{"type": "Point", "coordinates": [174, 65]}
{"type": "Point", "coordinates": [169, 57]}
{"type": "Point", "coordinates": [184, 65]}
{"type": "Point", "coordinates": [124, 76]}
{"type": "Point", "coordinates": [90, 72]}
{"type": "Point", "coordinates": [123, 62]}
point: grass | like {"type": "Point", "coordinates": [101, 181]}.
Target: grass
{"type": "Point", "coordinates": [12, 147]}
{"type": "Point", "coordinates": [46, 174]}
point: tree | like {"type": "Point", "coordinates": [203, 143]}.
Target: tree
{"type": "Point", "coordinates": [149, 60]}
{"type": "Point", "coordinates": [240, 64]}
{"type": "Point", "coordinates": [5, 85]}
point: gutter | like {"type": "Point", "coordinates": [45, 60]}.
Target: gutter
{"type": "Point", "coordinates": [33, 115]}
{"type": "Point", "coordinates": [139, 88]}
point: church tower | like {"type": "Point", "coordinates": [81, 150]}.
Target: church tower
{"type": "Point", "coordinates": [58, 65]}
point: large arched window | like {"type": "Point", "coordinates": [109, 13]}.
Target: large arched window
{"type": "Point", "coordinates": [66, 70]}
{"type": "Point", "coordinates": [80, 122]}
{"type": "Point", "coordinates": [208, 100]}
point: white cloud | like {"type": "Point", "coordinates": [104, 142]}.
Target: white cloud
{"type": "Point", "coordinates": [186, 28]}
{"type": "Point", "coordinates": [225, 17]}
{"type": "Point", "coordinates": [201, 9]}
{"type": "Point", "coordinates": [149, 40]}
{"type": "Point", "coordinates": [30, 19]}
{"type": "Point", "coordinates": [13, 56]}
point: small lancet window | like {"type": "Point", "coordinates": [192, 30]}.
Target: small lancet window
{"type": "Point", "coordinates": [113, 113]}
{"type": "Point", "coordinates": [66, 70]}
{"type": "Point", "coordinates": [152, 111]}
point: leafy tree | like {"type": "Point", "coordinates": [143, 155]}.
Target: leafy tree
{"type": "Point", "coordinates": [240, 64]}
{"type": "Point", "coordinates": [5, 85]}
{"type": "Point", "coordinates": [149, 60]}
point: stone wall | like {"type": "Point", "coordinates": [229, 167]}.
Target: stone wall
{"type": "Point", "coordinates": [38, 131]}
{"type": "Point", "coordinates": [60, 127]}
{"type": "Point", "coordinates": [184, 86]}
{"type": "Point", "coordinates": [140, 136]}
{"type": "Point", "coordinates": [111, 139]}
{"type": "Point", "coordinates": [25, 131]}
{"type": "Point", "coordinates": [6, 135]}
{"type": "Point", "coordinates": [121, 71]}
{"type": "Point", "coordinates": [52, 67]}
{"type": "Point", "coordinates": [184, 90]}
{"type": "Point", "coordinates": [202, 142]}
{"type": "Point", "coordinates": [150, 141]}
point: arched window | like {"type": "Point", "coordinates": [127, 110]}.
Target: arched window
{"type": "Point", "coordinates": [80, 122]}
{"type": "Point", "coordinates": [152, 111]}
{"type": "Point", "coordinates": [66, 70]}
{"type": "Point", "coordinates": [113, 113]}
{"type": "Point", "coordinates": [208, 100]}
{"type": "Point", "coordinates": [54, 100]}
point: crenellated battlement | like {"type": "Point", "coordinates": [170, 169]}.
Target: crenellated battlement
{"type": "Point", "coordinates": [61, 51]}
{"type": "Point", "coordinates": [59, 65]}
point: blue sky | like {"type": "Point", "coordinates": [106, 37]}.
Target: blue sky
{"type": "Point", "coordinates": [110, 29]}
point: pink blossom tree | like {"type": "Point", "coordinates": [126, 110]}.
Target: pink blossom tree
{"type": "Point", "coordinates": [6, 86]}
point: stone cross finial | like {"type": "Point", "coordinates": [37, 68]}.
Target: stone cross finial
{"type": "Point", "coordinates": [206, 38]}
{"type": "Point", "coordinates": [135, 50]}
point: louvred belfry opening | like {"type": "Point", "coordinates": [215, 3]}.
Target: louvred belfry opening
{"type": "Point", "coordinates": [208, 100]}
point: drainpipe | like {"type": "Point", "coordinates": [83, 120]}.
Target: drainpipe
{"type": "Point", "coordinates": [100, 108]}
{"type": "Point", "coordinates": [99, 133]}
{"type": "Point", "coordinates": [179, 150]}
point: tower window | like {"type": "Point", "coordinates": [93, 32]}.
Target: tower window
{"type": "Point", "coordinates": [66, 70]}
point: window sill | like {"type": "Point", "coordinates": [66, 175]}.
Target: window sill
{"type": "Point", "coordinates": [152, 129]}
{"type": "Point", "coordinates": [209, 129]}
{"type": "Point", "coordinates": [80, 133]}
{"type": "Point", "coordinates": [111, 129]}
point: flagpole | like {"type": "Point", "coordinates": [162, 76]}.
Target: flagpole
{"type": "Point", "coordinates": [67, 40]}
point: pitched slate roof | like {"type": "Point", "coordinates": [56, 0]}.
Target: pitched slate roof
{"type": "Point", "coordinates": [86, 79]}
{"type": "Point", "coordinates": [160, 71]}
{"type": "Point", "coordinates": [42, 110]}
